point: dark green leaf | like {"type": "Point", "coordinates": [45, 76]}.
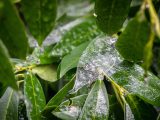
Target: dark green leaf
{"type": "Point", "coordinates": [70, 109]}
{"type": "Point", "coordinates": [40, 16]}
{"type": "Point", "coordinates": [71, 60]}
{"type": "Point", "coordinates": [96, 106]}
{"type": "Point", "coordinates": [100, 58]}
{"type": "Point", "coordinates": [6, 72]}
{"type": "Point", "coordinates": [46, 72]}
{"type": "Point", "coordinates": [34, 96]}
{"type": "Point", "coordinates": [12, 31]}
{"type": "Point", "coordinates": [9, 105]}
{"type": "Point", "coordinates": [131, 44]}
{"type": "Point", "coordinates": [57, 99]}
{"type": "Point", "coordinates": [111, 14]}
{"type": "Point", "coordinates": [115, 110]}
{"type": "Point", "coordinates": [140, 109]}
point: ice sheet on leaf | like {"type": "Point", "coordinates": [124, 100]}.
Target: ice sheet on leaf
{"type": "Point", "coordinates": [100, 56]}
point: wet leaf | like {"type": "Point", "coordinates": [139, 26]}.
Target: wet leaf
{"type": "Point", "coordinates": [46, 72]}
{"type": "Point", "coordinates": [131, 44]}
{"type": "Point", "coordinates": [140, 109]}
{"type": "Point", "coordinates": [40, 16]}
{"type": "Point", "coordinates": [9, 105]}
{"type": "Point", "coordinates": [6, 71]}
{"type": "Point", "coordinates": [35, 99]}
{"type": "Point", "coordinates": [67, 37]}
{"type": "Point", "coordinates": [96, 105]}
{"type": "Point", "coordinates": [70, 109]}
{"type": "Point", "coordinates": [57, 99]}
{"type": "Point", "coordinates": [12, 32]}
{"type": "Point", "coordinates": [111, 14]}
{"type": "Point", "coordinates": [84, 30]}
{"type": "Point", "coordinates": [100, 58]}
{"type": "Point", "coordinates": [71, 60]}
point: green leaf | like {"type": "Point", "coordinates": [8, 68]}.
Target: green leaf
{"type": "Point", "coordinates": [34, 96]}
{"type": "Point", "coordinates": [96, 105]}
{"type": "Point", "coordinates": [12, 32]}
{"type": "Point", "coordinates": [57, 99]}
{"type": "Point", "coordinates": [9, 105]}
{"type": "Point", "coordinates": [140, 109]}
{"type": "Point", "coordinates": [131, 44]}
{"type": "Point", "coordinates": [46, 72]}
{"type": "Point", "coordinates": [70, 109]}
{"type": "Point", "coordinates": [101, 59]}
{"type": "Point", "coordinates": [6, 71]}
{"type": "Point", "coordinates": [115, 110]}
{"type": "Point", "coordinates": [111, 14]}
{"type": "Point", "coordinates": [84, 30]}
{"type": "Point", "coordinates": [40, 16]}
{"type": "Point", "coordinates": [68, 36]}
{"type": "Point", "coordinates": [71, 60]}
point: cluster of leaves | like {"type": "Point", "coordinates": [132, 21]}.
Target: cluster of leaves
{"type": "Point", "coordinates": [79, 59]}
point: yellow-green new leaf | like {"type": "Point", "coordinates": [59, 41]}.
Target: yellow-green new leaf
{"type": "Point", "coordinates": [46, 72]}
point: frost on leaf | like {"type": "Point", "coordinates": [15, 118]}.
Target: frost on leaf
{"type": "Point", "coordinates": [100, 56]}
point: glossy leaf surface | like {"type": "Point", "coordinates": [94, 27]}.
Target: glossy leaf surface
{"type": "Point", "coordinates": [35, 99]}
{"type": "Point", "coordinates": [111, 14]}
{"type": "Point", "coordinates": [40, 16]}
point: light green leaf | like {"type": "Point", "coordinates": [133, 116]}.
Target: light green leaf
{"type": "Point", "coordinates": [35, 99]}
{"type": "Point", "coordinates": [6, 71]}
{"type": "Point", "coordinates": [71, 60]}
{"type": "Point", "coordinates": [70, 109]}
{"type": "Point", "coordinates": [9, 105]}
{"type": "Point", "coordinates": [101, 59]}
{"type": "Point", "coordinates": [111, 14]}
{"type": "Point", "coordinates": [131, 44]}
{"type": "Point", "coordinates": [46, 72]}
{"type": "Point", "coordinates": [40, 16]}
{"type": "Point", "coordinates": [12, 31]}
{"type": "Point", "coordinates": [96, 106]}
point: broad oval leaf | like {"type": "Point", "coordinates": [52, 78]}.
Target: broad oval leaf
{"type": "Point", "coordinates": [35, 99]}
{"type": "Point", "coordinates": [6, 71]}
{"type": "Point", "coordinates": [111, 14]}
{"type": "Point", "coordinates": [9, 105]}
{"type": "Point", "coordinates": [46, 72]}
{"type": "Point", "coordinates": [101, 58]}
{"type": "Point", "coordinates": [131, 44]}
{"type": "Point", "coordinates": [40, 16]}
{"type": "Point", "coordinates": [71, 60]}
{"type": "Point", "coordinates": [12, 31]}
{"type": "Point", "coordinates": [96, 105]}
